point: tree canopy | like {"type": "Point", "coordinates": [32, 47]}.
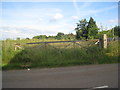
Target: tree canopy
{"type": "Point", "coordinates": [86, 29]}
{"type": "Point", "coordinates": [40, 37]}
{"type": "Point", "coordinates": [113, 32]}
{"type": "Point", "coordinates": [81, 30]}
{"type": "Point", "coordinates": [117, 31]}
{"type": "Point", "coordinates": [92, 29]}
{"type": "Point", "coordinates": [59, 36]}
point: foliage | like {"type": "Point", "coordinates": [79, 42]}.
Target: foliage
{"type": "Point", "coordinates": [86, 30]}
{"type": "Point", "coordinates": [117, 31]}
{"type": "Point", "coordinates": [92, 29]}
{"type": "Point", "coordinates": [70, 36]}
{"type": "Point", "coordinates": [18, 38]}
{"type": "Point", "coordinates": [114, 32]}
{"type": "Point", "coordinates": [81, 30]}
{"type": "Point", "coordinates": [108, 33]}
{"type": "Point", "coordinates": [27, 38]}
{"type": "Point", "coordinates": [40, 37]}
{"type": "Point", "coordinates": [60, 35]}
{"type": "Point", "coordinates": [47, 56]}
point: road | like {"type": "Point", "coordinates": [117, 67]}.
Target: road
{"type": "Point", "coordinates": [87, 76]}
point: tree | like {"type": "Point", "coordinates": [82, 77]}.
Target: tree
{"type": "Point", "coordinates": [60, 35]}
{"type": "Point", "coordinates": [69, 36]}
{"type": "Point", "coordinates": [51, 37]}
{"type": "Point", "coordinates": [81, 30]}
{"type": "Point", "coordinates": [117, 31]}
{"type": "Point", "coordinates": [111, 33]}
{"type": "Point", "coordinates": [18, 38]}
{"type": "Point", "coordinates": [27, 38]}
{"type": "Point", "coordinates": [92, 29]}
{"type": "Point", "coordinates": [40, 37]}
{"type": "Point", "coordinates": [78, 34]}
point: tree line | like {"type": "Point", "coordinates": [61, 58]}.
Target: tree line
{"type": "Point", "coordinates": [84, 30]}
{"type": "Point", "coordinates": [59, 36]}
{"type": "Point", "coordinates": [111, 33]}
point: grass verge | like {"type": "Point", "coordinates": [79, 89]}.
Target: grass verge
{"type": "Point", "coordinates": [46, 56]}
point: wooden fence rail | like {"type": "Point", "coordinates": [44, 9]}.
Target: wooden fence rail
{"type": "Point", "coordinates": [61, 41]}
{"type": "Point", "coordinates": [102, 42]}
{"type": "Point", "coordinates": [55, 42]}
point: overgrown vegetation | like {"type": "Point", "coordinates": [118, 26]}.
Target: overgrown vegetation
{"type": "Point", "coordinates": [113, 32]}
{"type": "Point", "coordinates": [48, 56]}
{"type": "Point", "coordinates": [55, 55]}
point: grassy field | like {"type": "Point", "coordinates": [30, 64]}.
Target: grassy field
{"type": "Point", "coordinates": [56, 55]}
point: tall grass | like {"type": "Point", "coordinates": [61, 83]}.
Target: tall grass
{"type": "Point", "coordinates": [55, 55]}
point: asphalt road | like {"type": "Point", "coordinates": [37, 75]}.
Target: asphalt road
{"type": "Point", "coordinates": [87, 76]}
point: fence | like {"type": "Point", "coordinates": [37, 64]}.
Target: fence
{"type": "Point", "coordinates": [62, 48]}
{"type": "Point", "coordinates": [111, 39]}
{"type": "Point", "coordinates": [102, 42]}
{"type": "Point", "coordinates": [61, 44]}
{"type": "Point", "coordinates": [58, 45]}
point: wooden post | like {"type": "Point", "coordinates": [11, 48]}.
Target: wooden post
{"type": "Point", "coordinates": [103, 41]}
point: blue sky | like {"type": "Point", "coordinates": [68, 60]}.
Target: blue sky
{"type": "Point", "coordinates": [27, 19]}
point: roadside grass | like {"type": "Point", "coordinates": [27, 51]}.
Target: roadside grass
{"type": "Point", "coordinates": [55, 55]}
{"type": "Point", "coordinates": [8, 51]}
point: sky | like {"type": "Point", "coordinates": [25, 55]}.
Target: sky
{"type": "Point", "coordinates": [28, 19]}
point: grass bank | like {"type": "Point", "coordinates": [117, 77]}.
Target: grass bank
{"type": "Point", "coordinates": [55, 56]}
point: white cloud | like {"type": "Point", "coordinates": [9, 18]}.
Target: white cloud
{"type": "Point", "coordinates": [13, 33]}
{"type": "Point", "coordinates": [58, 16]}
{"type": "Point", "coordinates": [113, 21]}
{"type": "Point", "coordinates": [31, 22]}
{"type": "Point", "coordinates": [29, 31]}
{"type": "Point", "coordinates": [75, 17]}
{"type": "Point", "coordinates": [55, 17]}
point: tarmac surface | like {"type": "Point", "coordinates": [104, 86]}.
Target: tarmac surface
{"type": "Point", "coordinates": [87, 76]}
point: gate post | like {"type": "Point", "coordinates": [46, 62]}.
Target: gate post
{"type": "Point", "coordinates": [103, 41]}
